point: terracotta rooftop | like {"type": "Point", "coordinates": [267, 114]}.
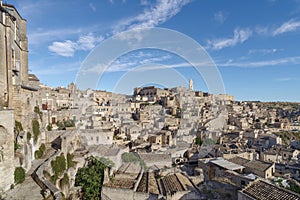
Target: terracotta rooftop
{"type": "Point", "coordinates": [238, 160]}
{"type": "Point", "coordinates": [265, 191]}
{"type": "Point", "coordinates": [121, 183]}
{"type": "Point", "coordinates": [251, 164]}
{"type": "Point", "coordinates": [258, 165]}
{"type": "Point", "coordinates": [173, 183]}
{"type": "Point", "coordinates": [148, 184]}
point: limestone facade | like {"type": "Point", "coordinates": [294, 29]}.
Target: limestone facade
{"type": "Point", "coordinates": [7, 166]}
{"type": "Point", "coordinates": [13, 53]}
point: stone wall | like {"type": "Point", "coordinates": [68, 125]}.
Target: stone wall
{"type": "Point", "coordinates": [122, 194]}
{"type": "Point", "coordinates": [7, 166]}
{"type": "Point", "coordinates": [45, 184]}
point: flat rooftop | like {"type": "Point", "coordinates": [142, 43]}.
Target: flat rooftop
{"type": "Point", "coordinates": [226, 164]}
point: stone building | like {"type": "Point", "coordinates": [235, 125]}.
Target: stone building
{"type": "Point", "coordinates": [18, 90]}
{"type": "Point", "coordinates": [152, 93]}
{"type": "Point", "coordinates": [13, 53]}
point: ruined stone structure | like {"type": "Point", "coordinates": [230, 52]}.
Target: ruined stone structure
{"type": "Point", "coordinates": [7, 165]}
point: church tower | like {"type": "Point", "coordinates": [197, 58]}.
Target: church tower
{"type": "Point", "coordinates": [191, 85]}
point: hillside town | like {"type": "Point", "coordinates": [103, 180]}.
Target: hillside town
{"type": "Point", "coordinates": [158, 143]}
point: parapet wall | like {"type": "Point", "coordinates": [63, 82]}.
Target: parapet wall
{"type": "Point", "coordinates": [45, 184]}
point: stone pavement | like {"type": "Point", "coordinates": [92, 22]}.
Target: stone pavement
{"type": "Point", "coordinates": [28, 190]}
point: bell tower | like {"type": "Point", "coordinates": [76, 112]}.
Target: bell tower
{"type": "Point", "coordinates": [191, 85]}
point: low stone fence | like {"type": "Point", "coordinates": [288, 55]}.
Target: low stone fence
{"type": "Point", "coordinates": [39, 178]}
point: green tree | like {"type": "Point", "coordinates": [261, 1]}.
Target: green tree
{"type": "Point", "coordinates": [19, 175]}
{"type": "Point", "coordinates": [90, 178]}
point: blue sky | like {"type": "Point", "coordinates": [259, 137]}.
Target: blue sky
{"type": "Point", "coordinates": [254, 43]}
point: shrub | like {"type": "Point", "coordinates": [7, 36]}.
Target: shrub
{"type": "Point", "coordinates": [69, 123]}
{"type": "Point", "coordinates": [28, 136]}
{"type": "Point", "coordinates": [294, 187]}
{"type": "Point", "coordinates": [47, 175]}
{"type": "Point", "coordinates": [19, 175]}
{"type": "Point", "coordinates": [70, 162]}
{"type": "Point", "coordinates": [16, 146]}
{"type": "Point", "coordinates": [38, 154]}
{"type": "Point", "coordinates": [49, 127]}
{"type": "Point", "coordinates": [35, 130]}
{"type": "Point", "coordinates": [65, 123]}
{"type": "Point", "coordinates": [42, 147]}
{"type": "Point", "coordinates": [64, 181]}
{"type": "Point", "coordinates": [198, 141]}
{"type": "Point", "coordinates": [59, 165]}
{"type": "Point", "coordinates": [18, 127]}
{"type": "Point", "coordinates": [37, 111]}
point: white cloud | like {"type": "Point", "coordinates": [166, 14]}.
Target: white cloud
{"type": "Point", "coordinates": [289, 26]}
{"type": "Point", "coordinates": [93, 7]}
{"type": "Point", "coordinates": [239, 37]}
{"type": "Point", "coordinates": [283, 79]}
{"type": "Point", "coordinates": [41, 35]}
{"type": "Point", "coordinates": [144, 2]}
{"type": "Point", "coordinates": [88, 42]}
{"type": "Point", "coordinates": [265, 63]}
{"type": "Point", "coordinates": [68, 47]}
{"type": "Point", "coordinates": [128, 62]}
{"type": "Point", "coordinates": [264, 51]}
{"type": "Point", "coordinates": [56, 69]}
{"type": "Point", "coordinates": [153, 16]}
{"type": "Point", "coordinates": [220, 17]}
